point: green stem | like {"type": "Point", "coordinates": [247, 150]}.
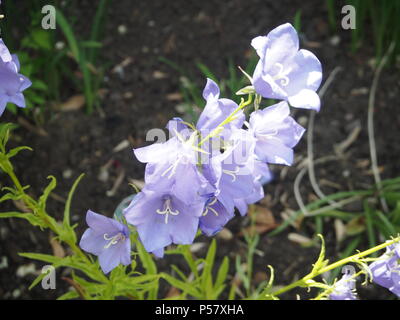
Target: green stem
{"type": "Point", "coordinates": [303, 281]}
{"type": "Point", "coordinates": [243, 104]}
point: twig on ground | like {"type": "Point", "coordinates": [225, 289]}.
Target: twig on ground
{"type": "Point", "coordinates": [371, 136]}
{"type": "Point", "coordinates": [310, 133]}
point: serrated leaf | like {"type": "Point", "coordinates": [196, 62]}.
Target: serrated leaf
{"type": "Point", "coordinates": [50, 187]}
{"type": "Point", "coordinates": [321, 262]}
{"type": "Point", "coordinates": [34, 220]}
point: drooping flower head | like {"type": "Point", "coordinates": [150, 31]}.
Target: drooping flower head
{"type": "Point", "coordinates": [284, 72]}
{"type": "Point", "coordinates": [108, 239]}
{"type": "Point", "coordinates": [386, 270]}
{"type": "Point", "coordinates": [11, 82]}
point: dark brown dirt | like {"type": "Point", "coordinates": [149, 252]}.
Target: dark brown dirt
{"type": "Point", "coordinates": [211, 32]}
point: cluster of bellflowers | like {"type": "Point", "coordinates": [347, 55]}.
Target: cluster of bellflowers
{"type": "Point", "coordinates": [12, 83]}
{"type": "Point", "coordinates": [207, 171]}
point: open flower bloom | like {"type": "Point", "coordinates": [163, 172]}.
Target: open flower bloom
{"type": "Point", "coordinates": [276, 132]}
{"type": "Point", "coordinates": [108, 239]}
{"type": "Point", "coordinates": [11, 82]}
{"type": "Point", "coordinates": [344, 289]}
{"type": "Point", "coordinates": [161, 219]}
{"type": "Point", "coordinates": [386, 270]}
{"type": "Point", "coordinates": [284, 72]}
{"type": "Point", "coordinates": [172, 164]}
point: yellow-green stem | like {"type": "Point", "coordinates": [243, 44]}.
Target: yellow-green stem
{"type": "Point", "coordinates": [335, 265]}
{"type": "Point", "coordinates": [243, 104]}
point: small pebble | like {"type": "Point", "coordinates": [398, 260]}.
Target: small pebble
{"type": "Point", "coordinates": [334, 41]}
{"type": "Point", "coordinates": [23, 270]}
{"type": "Point", "coordinates": [346, 173]}
{"type": "Point", "coordinates": [4, 263]}
{"type": "Point", "coordinates": [122, 29]}
{"type": "Point", "coordinates": [16, 293]}
{"type": "Point", "coordinates": [67, 173]}
{"type": "Point", "coordinates": [60, 45]}
{"type": "Point", "coordinates": [303, 120]}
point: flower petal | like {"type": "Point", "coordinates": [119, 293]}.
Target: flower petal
{"type": "Point", "coordinates": [211, 90]}
{"type": "Point", "coordinates": [306, 99]}
{"type": "Point", "coordinates": [101, 224]}
{"type": "Point", "coordinates": [92, 242]}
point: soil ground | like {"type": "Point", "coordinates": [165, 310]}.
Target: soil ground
{"type": "Point", "coordinates": [138, 99]}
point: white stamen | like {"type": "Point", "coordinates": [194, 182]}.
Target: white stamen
{"type": "Point", "coordinates": [168, 210]}
{"type": "Point", "coordinates": [282, 75]}
{"type": "Point", "coordinates": [208, 207]}
{"type": "Point", "coordinates": [113, 240]}
{"type": "Point", "coordinates": [232, 173]}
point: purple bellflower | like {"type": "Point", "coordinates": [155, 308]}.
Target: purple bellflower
{"type": "Point", "coordinates": [214, 217]}
{"type": "Point", "coordinates": [161, 218]}
{"type": "Point", "coordinates": [172, 166]}
{"type": "Point", "coordinates": [386, 270]}
{"type": "Point", "coordinates": [11, 82]}
{"type": "Point", "coordinates": [344, 289]}
{"type": "Point", "coordinates": [217, 109]}
{"type": "Point", "coordinates": [284, 72]}
{"type": "Point", "coordinates": [108, 239]}
{"type": "Point", "coordinates": [276, 132]}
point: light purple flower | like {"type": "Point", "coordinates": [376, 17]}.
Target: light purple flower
{"type": "Point", "coordinates": [284, 72]}
{"type": "Point", "coordinates": [344, 289]}
{"type": "Point", "coordinates": [261, 176]}
{"type": "Point", "coordinates": [172, 165]}
{"type": "Point", "coordinates": [108, 239]}
{"type": "Point", "coordinates": [214, 217]}
{"type": "Point", "coordinates": [236, 176]}
{"type": "Point", "coordinates": [161, 219]}
{"type": "Point", "coordinates": [386, 270]}
{"type": "Point", "coordinates": [11, 82]}
{"type": "Point", "coordinates": [217, 110]}
{"type": "Point", "coordinates": [276, 133]}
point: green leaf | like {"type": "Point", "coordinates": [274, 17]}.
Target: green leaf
{"type": "Point", "coordinates": [66, 220]}
{"type": "Point", "coordinates": [50, 187]}
{"type": "Point", "coordinates": [42, 38]}
{"type": "Point", "coordinates": [355, 226]}
{"type": "Point", "coordinates": [15, 151]}
{"type": "Point", "coordinates": [149, 266]}
{"type": "Point", "coordinates": [69, 34]}
{"type": "Point", "coordinates": [34, 220]}
{"type": "Point", "coordinates": [222, 273]}
{"type": "Point", "coordinates": [208, 265]}
{"type": "Point", "coordinates": [69, 295]}
{"type": "Point", "coordinates": [389, 226]}
{"type": "Point", "coordinates": [184, 286]}
{"type": "Point", "coordinates": [42, 257]}
{"type": "Point", "coordinates": [321, 262]}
